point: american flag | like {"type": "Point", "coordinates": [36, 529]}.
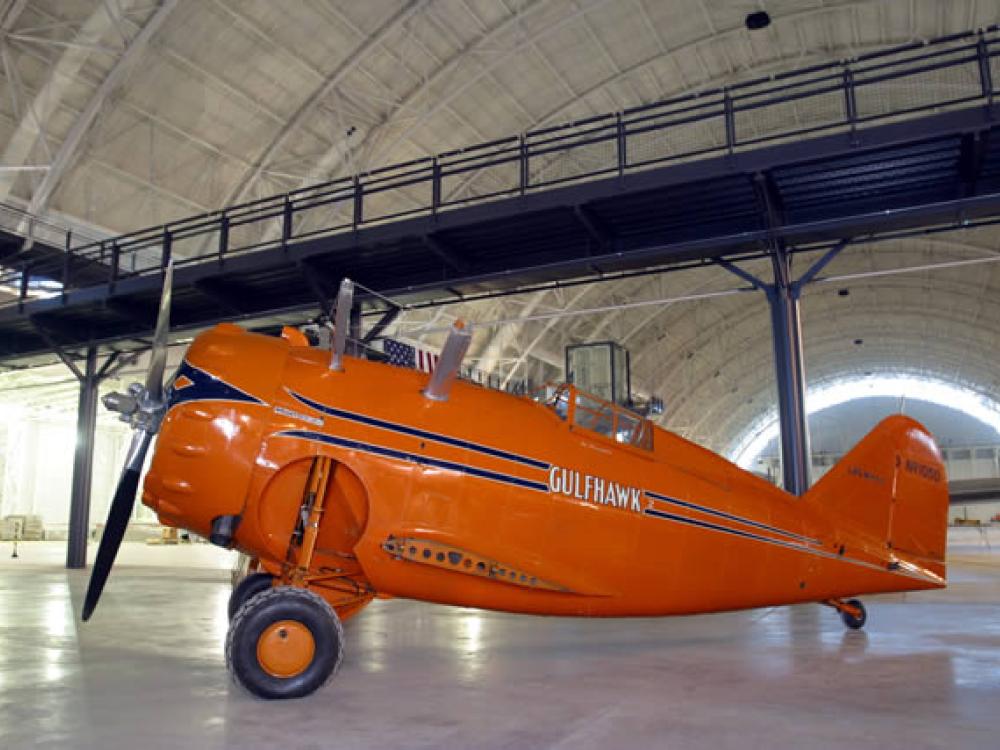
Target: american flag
{"type": "Point", "coordinates": [404, 355]}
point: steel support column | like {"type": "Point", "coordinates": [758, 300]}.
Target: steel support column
{"type": "Point", "coordinates": [83, 461]}
{"type": "Point", "coordinates": [786, 337]}
{"type": "Point", "coordinates": [90, 378]}
{"type": "Point", "coordinates": [783, 297]}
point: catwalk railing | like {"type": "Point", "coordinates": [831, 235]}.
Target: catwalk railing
{"type": "Point", "coordinates": [925, 76]}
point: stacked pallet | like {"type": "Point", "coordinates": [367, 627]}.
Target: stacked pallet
{"type": "Point", "coordinates": [28, 528]}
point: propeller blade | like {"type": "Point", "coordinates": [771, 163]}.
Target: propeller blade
{"type": "Point", "coordinates": [118, 515]}
{"type": "Point", "coordinates": [158, 356]}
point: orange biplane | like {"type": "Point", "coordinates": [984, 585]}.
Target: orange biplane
{"type": "Point", "coordinates": [345, 479]}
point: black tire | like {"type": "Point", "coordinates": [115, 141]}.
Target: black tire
{"type": "Point", "coordinates": [267, 609]}
{"type": "Point", "coordinates": [247, 589]}
{"type": "Point", "coordinates": [855, 623]}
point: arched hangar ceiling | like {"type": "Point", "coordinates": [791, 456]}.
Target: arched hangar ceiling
{"type": "Point", "coordinates": [124, 113]}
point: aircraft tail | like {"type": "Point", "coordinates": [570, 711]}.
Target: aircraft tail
{"type": "Point", "coordinates": [890, 492]}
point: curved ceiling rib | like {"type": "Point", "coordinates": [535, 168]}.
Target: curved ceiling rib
{"type": "Point", "coordinates": [546, 328]}
{"type": "Point", "coordinates": [626, 73]}
{"type": "Point", "coordinates": [830, 346]}
{"type": "Point", "coordinates": [332, 159]}
{"type": "Point", "coordinates": [748, 447]}
{"type": "Point", "coordinates": [742, 322]}
{"type": "Point", "coordinates": [69, 148]}
{"type": "Point", "coordinates": [745, 326]}
{"type": "Point", "coordinates": [11, 13]}
{"type": "Point", "coordinates": [334, 156]}
{"type": "Point", "coordinates": [30, 129]}
{"type": "Point", "coordinates": [494, 347]}
{"type": "Point", "coordinates": [722, 419]}
{"type": "Point", "coordinates": [307, 107]}
{"type": "Point", "coordinates": [575, 96]}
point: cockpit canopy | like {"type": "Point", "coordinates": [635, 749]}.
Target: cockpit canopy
{"type": "Point", "coordinates": [591, 413]}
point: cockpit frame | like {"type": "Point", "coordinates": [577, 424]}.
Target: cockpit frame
{"type": "Point", "coordinates": [598, 416]}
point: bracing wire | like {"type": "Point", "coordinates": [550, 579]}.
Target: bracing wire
{"type": "Point", "coordinates": [499, 322]}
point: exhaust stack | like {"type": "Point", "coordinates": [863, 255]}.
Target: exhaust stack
{"type": "Point", "coordinates": [447, 365]}
{"type": "Point", "coordinates": [341, 320]}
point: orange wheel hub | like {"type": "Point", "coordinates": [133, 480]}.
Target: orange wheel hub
{"type": "Point", "coordinates": [285, 648]}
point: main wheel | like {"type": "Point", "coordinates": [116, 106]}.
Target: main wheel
{"type": "Point", "coordinates": [284, 643]}
{"type": "Point", "coordinates": [245, 590]}
{"type": "Point", "coordinates": [854, 622]}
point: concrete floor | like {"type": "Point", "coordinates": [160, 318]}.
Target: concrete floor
{"type": "Point", "coordinates": [147, 672]}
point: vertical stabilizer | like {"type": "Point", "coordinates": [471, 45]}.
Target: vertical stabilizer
{"type": "Point", "coordinates": [891, 492]}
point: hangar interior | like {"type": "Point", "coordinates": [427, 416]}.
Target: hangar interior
{"type": "Point", "coordinates": [553, 173]}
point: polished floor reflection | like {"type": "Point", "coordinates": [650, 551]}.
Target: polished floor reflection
{"type": "Point", "coordinates": [147, 672]}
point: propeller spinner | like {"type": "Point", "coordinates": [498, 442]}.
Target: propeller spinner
{"type": "Point", "coordinates": [143, 407]}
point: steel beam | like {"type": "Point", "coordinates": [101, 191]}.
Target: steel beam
{"type": "Point", "coordinates": [317, 283]}
{"type": "Point", "coordinates": [387, 319]}
{"type": "Point", "coordinates": [90, 378]}
{"type": "Point", "coordinates": [789, 366]}
{"type": "Point", "coordinates": [447, 254]}
{"type": "Point", "coordinates": [784, 299]}
{"type": "Point", "coordinates": [597, 233]}
{"type": "Point", "coordinates": [221, 293]}
{"type": "Point", "coordinates": [972, 156]}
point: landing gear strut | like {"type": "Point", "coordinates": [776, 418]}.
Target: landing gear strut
{"type": "Point", "coordinates": [852, 612]}
{"type": "Point", "coordinates": [285, 640]}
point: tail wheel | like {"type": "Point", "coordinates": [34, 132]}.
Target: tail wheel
{"type": "Point", "coordinates": [284, 643]}
{"type": "Point", "coordinates": [854, 614]}
{"type": "Point", "coordinates": [247, 589]}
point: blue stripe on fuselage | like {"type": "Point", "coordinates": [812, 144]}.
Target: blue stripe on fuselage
{"type": "Point", "coordinates": [725, 529]}
{"type": "Point", "coordinates": [422, 434]}
{"type": "Point", "coordinates": [731, 517]}
{"type": "Point", "coordinates": [506, 455]}
{"type": "Point", "coordinates": [380, 450]}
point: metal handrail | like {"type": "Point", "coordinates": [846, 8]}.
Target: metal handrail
{"type": "Point", "coordinates": [716, 121]}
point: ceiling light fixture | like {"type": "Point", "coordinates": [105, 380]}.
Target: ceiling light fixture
{"type": "Point", "coordinates": [758, 20]}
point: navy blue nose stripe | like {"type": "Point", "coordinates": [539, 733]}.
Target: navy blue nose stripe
{"type": "Point", "coordinates": [731, 517]}
{"type": "Point", "coordinates": [418, 433]}
{"type": "Point", "coordinates": [380, 450]}
{"type": "Point", "coordinates": [204, 387]}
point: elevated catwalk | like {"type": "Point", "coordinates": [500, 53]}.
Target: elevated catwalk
{"type": "Point", "coordinates": [855, 149]}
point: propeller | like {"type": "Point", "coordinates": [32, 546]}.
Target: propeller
{"type": "Point", "coordinates": [143, 407]}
